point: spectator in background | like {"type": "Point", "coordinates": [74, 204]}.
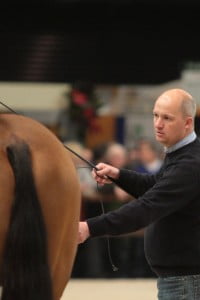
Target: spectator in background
{"type": "Point", "coordinates": [91, 259]}
{"type": "Point", "coordinates": [116, 155]}
{"type": "Point", "coordinates": [149, 155]}
{"type": "Point", "coordinates": [133, 156]}
{"type": "Point", "coordinates": [88, 185]}
{"type": "Point", "coordinates": [84, 257]}
{"type": "Point", "coordinates": [144, 157]}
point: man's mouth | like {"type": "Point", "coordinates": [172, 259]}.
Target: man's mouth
{"type": "Point", "coordinates": [159, 133]}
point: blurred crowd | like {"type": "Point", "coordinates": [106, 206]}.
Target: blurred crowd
{"type": "Point", "coordinates": [127, 252]}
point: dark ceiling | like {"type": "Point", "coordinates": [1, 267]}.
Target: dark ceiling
{"type": "Point", "coordinates": [102, 41]}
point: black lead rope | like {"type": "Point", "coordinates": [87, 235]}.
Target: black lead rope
{"type": "Point", "coordinates": [10, 109]}
{"type": "Point", "coordinates": [82, 158]}
{"type": "Point", "coordinates": [114, 268]}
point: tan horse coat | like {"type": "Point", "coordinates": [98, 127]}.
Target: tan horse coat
{"type": "Point", "coordinates": [57, 187]}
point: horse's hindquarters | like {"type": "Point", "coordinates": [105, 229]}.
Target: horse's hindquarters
{"type": "Point", "coordinates": [57, 188]}
{"type": "Point", "coordinates": [60, 195]}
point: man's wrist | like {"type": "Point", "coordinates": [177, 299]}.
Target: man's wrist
{"type": "Point", "coordinates": [117, 174]}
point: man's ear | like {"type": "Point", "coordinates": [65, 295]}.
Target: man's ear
{"type": "Point", "coordinates": [189, 122]}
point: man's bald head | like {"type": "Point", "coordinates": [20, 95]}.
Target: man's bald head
{"type": "Point", "coordinates": [184, 99]}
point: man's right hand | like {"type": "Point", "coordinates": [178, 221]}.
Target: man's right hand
{"type": "Point", "coordinates": [83, 232]}
{"type": "Point", "coordinates": [103, 172]}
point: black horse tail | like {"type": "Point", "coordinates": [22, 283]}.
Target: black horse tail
{"type": "Point", "coordinates": [25, 270]}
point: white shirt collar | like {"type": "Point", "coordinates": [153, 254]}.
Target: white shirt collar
{"type": "Point", "coordinates": [186, 140]}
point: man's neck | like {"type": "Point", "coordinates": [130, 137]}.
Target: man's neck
{"type": "Point", "coordinates": [186, 140]}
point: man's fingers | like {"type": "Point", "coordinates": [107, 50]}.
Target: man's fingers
{"type": "Point", "coordinates": [83, 232]}
{"type": "Point", "coordinates": [101, 173]}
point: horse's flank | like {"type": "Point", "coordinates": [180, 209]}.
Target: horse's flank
{"type": "Point", "coordinates": [57, 189]}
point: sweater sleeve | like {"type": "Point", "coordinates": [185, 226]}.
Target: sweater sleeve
{"type": "Point", "coordinates": [172, 192]}
{"type": "Point", "coordinates": [134, 183]}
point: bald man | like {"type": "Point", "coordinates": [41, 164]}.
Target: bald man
{"type": "Point", "coordinates": [168, 203]}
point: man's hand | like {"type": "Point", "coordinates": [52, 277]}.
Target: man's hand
{"type": "Point", "coordinates": [83, 232]}
{"type": "Point", "coordinates": [104, 172]}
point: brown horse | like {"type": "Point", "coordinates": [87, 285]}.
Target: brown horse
{"type": "Point", "coordinates": [39, 211]}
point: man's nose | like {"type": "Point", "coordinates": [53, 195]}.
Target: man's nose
{"type": "Point", "coordinates": [159, 123]}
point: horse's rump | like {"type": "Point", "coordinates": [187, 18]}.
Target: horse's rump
{"type": "Point", "coordinates": [57, 189]}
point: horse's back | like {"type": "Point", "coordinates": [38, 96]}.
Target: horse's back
{"type": "Point", "coordinates": [57, 187]}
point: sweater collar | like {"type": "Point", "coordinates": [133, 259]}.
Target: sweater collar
{"type": "Point", "coordinates": [187, 140]}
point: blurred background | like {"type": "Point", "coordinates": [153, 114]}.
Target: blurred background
{"type": "Point", "coordinates": [90, 71]}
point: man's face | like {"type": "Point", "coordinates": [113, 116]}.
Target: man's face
{"type": "Point", "coordinates": [169, 122]}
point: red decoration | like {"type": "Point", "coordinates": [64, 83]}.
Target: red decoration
{"type": "Point", "coordinates": [83, 108]}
